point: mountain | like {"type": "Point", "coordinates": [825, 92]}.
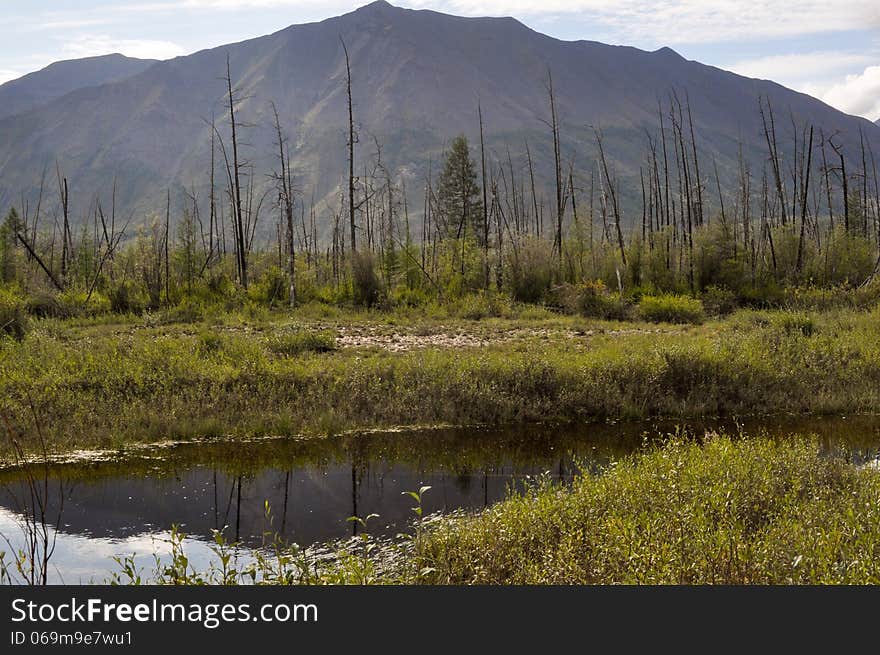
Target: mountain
{"type": "Point", "coordinates": [417, 79]}
{"type": "Point", "coordinates": [62, 77]}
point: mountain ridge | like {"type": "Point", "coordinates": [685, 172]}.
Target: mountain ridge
{"type": "Point", "coordinates": [417, 78]}
{"type": "Point", "coordinates": [62, 77]}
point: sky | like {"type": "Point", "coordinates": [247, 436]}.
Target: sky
{"type": "Point", "coordinates": [827, 48]}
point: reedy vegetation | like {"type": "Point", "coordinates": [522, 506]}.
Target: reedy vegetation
{"type": "Point", "coordinates": [97, 384]}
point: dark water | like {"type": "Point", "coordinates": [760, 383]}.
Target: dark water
{"type": "Point", "coordinates": [128, 505]}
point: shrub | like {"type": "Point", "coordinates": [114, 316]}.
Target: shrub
{"type": "Point", "coordinates": [289, 344]}
{"type": "Point", "coordinates": [407, 297]}
{"type": "Point", "coordinates": [730, 511]}
{"type": "Point", "coordinates": [367, 286]}
{"type": "Point", "coordinates": [79, 303]}
{"type": "Point", "coordinates": [44, 305]}
{"type": "Point", "coordinates": [477, 306]}
{"type": "Point", "coordinates": [531, 271]}
{"type": "Point", "coordinates": [209, 342]}
{"type": "Point", "coordinates": [591, 299]}
{"type": "Point", "coordinates": [125, 298]}
{"type": "Point", "coordinates": [188, 310]}
{"type": "Point", "coordinates": [718, 301]}
{"type": "Point", "coordinates": [13, 319]}
{"type": "Point", "coordinates": [671, 309]}
{"type": "Point", "coordinates": [797, 323]}
{"type": "Point", "coordinates": [272, 287]}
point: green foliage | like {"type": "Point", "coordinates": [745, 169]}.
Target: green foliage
{"type": "Point", "coordinates": [476, 306]}
{"type": "Point", "coordinates": [531, 271]}
{"type": "Point", "coordinates": [408, 297]}
{"type": "Point", "coordinates": [76, 302]}
{"type": "Point", "coordinates": [13, 319]}
{"type": "Point", "coordinates": [125, 298]}
{"type": "Point", "coordinates": [10, 258]}
{"type": "Point", "coordinates": [272, 288]}
{"type": "Point", "coordinates": [44, 305]}
{"type": "Point", "coordinates": [731, 511]}
{"type": "Point", "coordinates": [718, 301]}
{"type": "Point", "coordinates": [795, 323]}
{"type": "Point", "coordinates": [591, 299]}
{"type": "Point", "coordinates": [460, 206]}
{"type": "Point", "coordinates": [290, 344]}
{"type": "Point", "coordinates": [366, 283]}
{"type": "Point", "coordinates": [671, 309]}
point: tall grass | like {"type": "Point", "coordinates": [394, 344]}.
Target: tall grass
{"type": "Point", "coordinates": [732, 511]}
{"type": "Point", "coordinates": [104, 386]}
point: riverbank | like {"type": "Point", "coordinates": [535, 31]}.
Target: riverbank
{"type": "Point", "coordinates": [750, 511]}
{"type": "Point", "coordinates": [106, 385]}
{"type": "Point", "coordinates": [719, 510]}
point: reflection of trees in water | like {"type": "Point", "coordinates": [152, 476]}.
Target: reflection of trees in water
{"type": "Point", "coordinates": [30, 498]}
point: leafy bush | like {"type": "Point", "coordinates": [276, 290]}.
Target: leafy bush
{"type": "Point", "coordinates": [407, 297]}
{"type": "Point", "coordinates": [125, 298]}
{"type": "Point", "coordinates": [591, 299]}
{"type": "Point", "coordinates": [531, 271]}
{"type": "Point", "coordinates": [671, 309]}
{"type": "Point", "coordinates": [188, 310]}
{"type": "Point", "coordinates": [794, 323]}
{"type": "Point", "coordinates": [718, 301]}
{"type": "Point", "coordinates": [476, 306]}
{"type": "Point", "coordinates": [44, 305]}
{"type": "Point", "coordinates": [367, 286]}
{"type": "Point", "coordinates": [13, 319]}
{"type": "Point", "coordinates": [74, 302]}
{"type": "Point", "coordinates": [272, 287]}
{"type": "Point", "coordinates": [209, 342]}
{"type": "Point", "coordinates": [289, 344]}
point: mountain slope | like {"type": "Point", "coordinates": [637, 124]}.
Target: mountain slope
{"type": "Point", "coordinates": [58, 79]}
{"type": "Point", "coordinates": [417, 79]}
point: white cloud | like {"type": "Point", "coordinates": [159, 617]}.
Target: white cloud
{"type": "Point", "coordinates": [806, 66]}
{"type": "Point", "coordinates": [7, 75]}
{"type": "Point", "coordinates": [694, 21]}
{"type": "Point", "coordinates": [857, 94]}
{"type": "Point", "coordinates": [90, 45]}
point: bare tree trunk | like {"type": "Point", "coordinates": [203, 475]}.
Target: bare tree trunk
{"type": "Point", "coordinates": [485, 199]}
{"type": "Point", "coordinates": [614, 205]}
{"type": "Point", "coordinates": [806, 177]}
{"type": "Point", "coordinates": [239, 218]}
{"type": "Point", "coordinates": [352, 139]}
{"type": "Point", "coordinates": [554, 125]}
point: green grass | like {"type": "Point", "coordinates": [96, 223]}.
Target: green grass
{"type": "Point", "coordinates": [732, 511]}
{"type": "Point", "coordinates": [671, 309]}
{"type": "Point", "coordinates": [99, 384]}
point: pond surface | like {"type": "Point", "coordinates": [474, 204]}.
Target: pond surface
{"type": "Point", "coordinates": [128, 505]}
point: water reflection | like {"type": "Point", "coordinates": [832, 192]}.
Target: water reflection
{"type": "Point", "coordinates": [313, 486]}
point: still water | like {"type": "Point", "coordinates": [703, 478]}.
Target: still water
{"type": "Point", "coordinates": [128, 505]}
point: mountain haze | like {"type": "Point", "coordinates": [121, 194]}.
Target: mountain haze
{"type": "Point", "coordinates": [417, 79]}
{"type": "Point", "coordinates": [56, 80]}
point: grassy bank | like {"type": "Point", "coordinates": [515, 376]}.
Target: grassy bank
{"type": "Point", "coordinates": [104, 385]}
{"type": "Point", "coordinates": [727, 511]}
{"type": "Point", "coordinates": [749, 511]}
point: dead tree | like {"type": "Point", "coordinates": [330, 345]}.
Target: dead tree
{"type": "Point", "coordinates": [237, 207]}
{"type": "Point", "coordinates": [554, 126]}
{"type": "Point", "coordinates": [770, 136]}
{"type": "Point", "coordinates": [485, 206]}
{"type": "Point", "coordinates": [806, 186]}
{"type": "Point", "coordinates": [284, 182]}
{"type": "Point", "coordinates": [352, 139]}
{"type": "Point", "coordinates": [614, 204]}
